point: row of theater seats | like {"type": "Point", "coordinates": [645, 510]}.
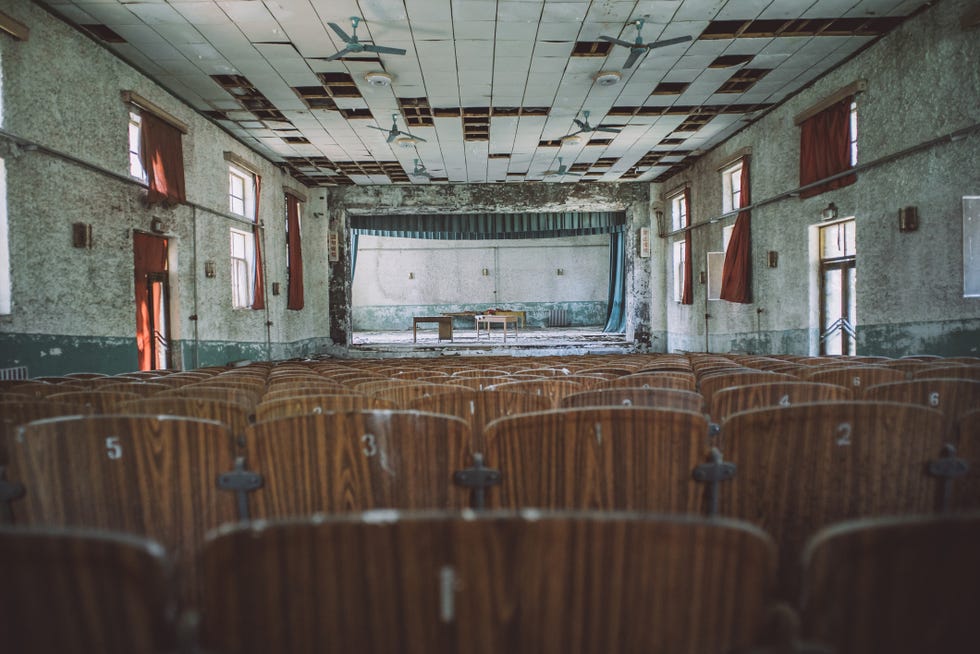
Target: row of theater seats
{"type": "Point", "coordinates": [532, 582]}
{"type": "Point", "coordinates": [631, 434]}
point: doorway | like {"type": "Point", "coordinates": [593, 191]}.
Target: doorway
{"type": "Point", "coordinates": [152, 289]}
{"type": "Point", "coordinates": [838, 296]}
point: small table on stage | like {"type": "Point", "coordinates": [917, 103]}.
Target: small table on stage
{"type": "Point", "coordinates": [501, 319]}
{"type": "Point", "coordinates": [445, 326]}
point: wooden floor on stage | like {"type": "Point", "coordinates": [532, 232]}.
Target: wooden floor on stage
{"type": "Point", "coordinates": [532, 340]}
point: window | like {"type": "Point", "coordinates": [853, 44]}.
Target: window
{"type": "Point", "coordinates": [678, 212]}
{"type": "Point", "coordinates": [5, 301]}
{"type": "Point", "coordinates": [854, 133]}
{"type": "Point", "coordinates": [680, 258]}
{"type": "Point", "coordinates": [242, 269]}
{"type": "Point", "coordinates": [135, 155]}
{"type": "Point", "coordinates": [726, 237]}
{"type": "Point", "coordinates": [241, 192]}
{"type": "Point", "coordinates": [838, 289]}
{"type": "Point", "coordinates": [731, 188]}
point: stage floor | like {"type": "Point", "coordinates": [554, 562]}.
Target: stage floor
{"type": "Point", "coordinates": [530, 341]}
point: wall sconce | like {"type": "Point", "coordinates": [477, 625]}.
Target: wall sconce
{"type": "Point", "coordinates": [702, 277]}
{"type": "Point", "coordinates": [210, 270]}
{"type": "Point", "coordinates": [830, 212]}
{"type": "Point", "coordinates": [773, 258]}
{"type": "Point", "coordinates": [486, 272]}
{"type": "Point", "coordinates": [275, 288]}
{"type": "Point", "coordinates": [411, 275]}
{"type": "Point", "coordinates": [81, 235]}
{"type": "Point", "coordinates": [908, 219]}
{"type": "Point", "coordinates": [560, 272]}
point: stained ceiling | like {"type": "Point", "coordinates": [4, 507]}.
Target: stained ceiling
{"type": "Point", "coordinates": [490, 88]}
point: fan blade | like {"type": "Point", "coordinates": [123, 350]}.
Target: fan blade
{"type": "Point", "coordinates": [625, 44]}
{"type": "Point", "coordinates": [612, 130]}
{"type": "Point", "coordinates": [384, 49]}
{"type": "Point", "coordinates": [581, 126]}
{"type": "Point", "coordinates": [411, 136]}
{"type": "Point", "coordinates": [340, 32]}
{"type": "Point", "coordinates": [338, 55]}
{"type": "Point", "coordinates": [634, 55]}
{"type": "Point", "coordinates": [383, 129]}
{"type": "Point", "coordinates": [392, 135]}
{"type": "Point", "coordinates": [661, 44]}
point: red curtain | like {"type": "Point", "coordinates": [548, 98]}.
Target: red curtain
{"type": "Point", "coordinates": [149, 256]}
{"type": "Point", "coordinates": [688, 293]}
{"type": "Point", "coordinates": [736, 276]}
{"type": "Point", "coordinates": [825, 148]}
{"type": "Point", "coordinates": [163, 160]}
{"type": "Point", "coordinates": [258, 301]}
{"type": "Point", "coordinates": [294, 298]}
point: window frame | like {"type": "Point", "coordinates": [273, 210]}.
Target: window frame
{"type": "Point", "coordinates": [240, 265]}
{"type": "Point", "coordinates": [731, 187]}
{"type": "Point", "coordinates": [678, 211]}
{"type": "Point", "coordinates": [678, 259]}
{"type": "Point", "coordinates": [136, 168]}
{"type": "Point", "coordinates": [853, 142]}
{"type": "Point", "coordinates": [247, 197]}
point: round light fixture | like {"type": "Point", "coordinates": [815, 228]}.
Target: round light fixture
{"type": "Point", "coordinates": [575, 139]}
{"type": "Point", "coordinates": [406, 141]}
{"type": "Point", "coordinates": [378, 79]}
{"type": "Point", "coordinates": [607, 78]}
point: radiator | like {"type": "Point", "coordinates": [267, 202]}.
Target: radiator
{"type": "Point", "coordinates": [18, 372]}
{"type": "Point", "coordinates": [558, 318]}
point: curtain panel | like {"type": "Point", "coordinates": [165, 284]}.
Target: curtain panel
{"type": "Point", "coordinates": [149, 256]}
{"type": "Point", "coordinates": [294, 299]}
{"type": "Point", "coordinates": [825, 148]}
{"type": "Point", "coordinates": [258, 299]}
{"type": "Point", "coordinates": [736, 276]}
{"type": "Point", "coordinates": [163, 160]}
{"type": "Point", "coordinates": [687, 296]}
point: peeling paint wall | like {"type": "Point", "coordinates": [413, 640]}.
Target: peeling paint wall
{"type": "Point", "coordinates": [61, 90]}
{"type": "Point", "coordinates": [397, 278]}
{"type": "Point", "coordinates": [923, 83]}
{"type": "Point", "coordinates": [632, 198]}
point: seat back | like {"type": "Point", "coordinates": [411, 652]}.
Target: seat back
{"type": "Point", "coordinates": [480, 407]}
{"type": "Point", "coordinates": [356, 461]}
{"type": "Point", "coordinates": [903, 586]}
{"type": "Point", "coordinates": [783, 393]}
{"type": "Point", "coordinates": [68, 591]}
{"type": "Point", "coordinates": [94, 402]}
{"type": "Point", "coordinates": [966, 491]}
{"type": "Point", "coordinates": [663, 398]}
{"type": "Point", "coordinates": [154, 476]}
{"type": "Point", "coordinates": [952, 397]}
{"type": "Point", "coordinates": [14, 413]}
{"type": "Point", "coordinates": [627, 458]}
{"type": "Point", "coordinates": [541, 584]}
{"type": "Point", "coordinates": [857, 378]}
{"type": "Point", "coordinates": [232, 414]}
{"type": "Point", "coordinates": [301, 405]}
{"type": "Point", "coordinates": [802, 467]}
{"type": "Point", "coordinates": [711, 384]}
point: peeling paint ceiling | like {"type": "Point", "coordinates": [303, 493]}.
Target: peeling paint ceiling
{"type": "Point", "coordinates": [489, 88]}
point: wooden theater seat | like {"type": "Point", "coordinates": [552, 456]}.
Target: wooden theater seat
{"type": "Point", "coordinates": [356, 460]}
{"type": "Point", "coordinates": [523, 584]}
{"type": "Point", "coordinates": [857, 378]}
{"type": "Point", "coordinates": [782, 393]}
{"type": "Point", "coordinates": [480, 407]}
{"type": "Point", "coordinates": [154, 476]}
{"type": "Point", "coordinates": [627, 458]}
{"type": "Point", "coordinates": [302, 405]}
{"type": "Point", "coordinates": [966, 491]}
{"type": "Point", "coordinates": [71, 591]}
{"type": "Point", "coordinates": [896, 585]}
{"type": "Point", "coordinates": [14, 413]}
{"type": "Point", "coordinates": [952, 397]}
{"type": "Point", "coordinates": [711, 384]}
{"type": "Point", "coordinates": [684, 381]}
{"type": "Point", "coordinates": [232, 414]}
{"type": "Point", "coordinates": [800, 468]}
{"type": "Point", "coordinates": [94, 402]}
{"type": "Point", "coordinates": [663, 398]}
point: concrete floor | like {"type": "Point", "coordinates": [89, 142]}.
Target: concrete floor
{"type": "Point", "coordinates": [530, 341]}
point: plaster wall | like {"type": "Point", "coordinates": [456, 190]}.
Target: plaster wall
{"type": "Point", "coordinates": [401, 277]}
{"type": "Point", "coordinates": [74, 308]}
{"type": "Point", "coordinates": [923, 83]}
{"type": "Point", "coordinates": [632, 198]}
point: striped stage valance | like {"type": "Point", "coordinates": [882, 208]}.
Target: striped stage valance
{"type": "Point", "coordinates": [481, 226]}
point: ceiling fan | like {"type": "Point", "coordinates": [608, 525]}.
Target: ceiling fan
{"type": "Point", "coordinates": [638, 47]}
{"type": "Point", "coordinates": [562, 170]}
{"type": "Point", "coordinates": [420, 170]}
{"type": "Point", "coordinates": [584, 126]}
{"type": "Point", "coordinates": [354, 45]}
{"type": "Point", "coordinates": [394, 132]}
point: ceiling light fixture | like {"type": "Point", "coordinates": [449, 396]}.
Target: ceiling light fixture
{"type": "Point", "coordinates": [378, 78]}
{"type": "Point", "coordinates": [406, 141]}
{"type": "Point", "coordinates": [607, 78]}
{"type": "Point", "coordinates": [574, 139]}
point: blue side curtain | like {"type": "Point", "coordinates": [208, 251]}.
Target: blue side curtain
{"type": "Point", "coordinates": [353, 254]}
{"type": "Point", "coordinates": [616, 311]}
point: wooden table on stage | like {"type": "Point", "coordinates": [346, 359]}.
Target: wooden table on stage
{"type": "Point", "coordinates": [501, 319]}
{"type": "Point", "coordinates": [445, 326]}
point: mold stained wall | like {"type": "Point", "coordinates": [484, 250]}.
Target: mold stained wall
{"type": "Point", "coordinates": [633, 198]}
{"type": "Point", "coordinates": [923, 83]}
{"type": "Point", "coordinates": [73, 309]}
{"type": "Point", "coordinates": [397, 278]}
